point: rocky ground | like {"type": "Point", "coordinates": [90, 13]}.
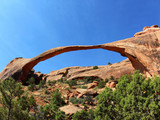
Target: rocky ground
{"type": "Point", "coordinates": [78, 93]}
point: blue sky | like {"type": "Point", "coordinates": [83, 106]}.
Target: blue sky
{"type": "Point", "coordinates": [30, 27]}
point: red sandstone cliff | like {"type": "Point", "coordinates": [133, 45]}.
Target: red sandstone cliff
{"type": "Point", "coordinates": [143, 51]}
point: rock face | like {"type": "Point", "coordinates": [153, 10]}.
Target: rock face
{"type": "Point", "coordinates": [87, 92]}
{"type": "Point", "coordinates": [103, 72]}
{"type": "Point", "coordinates": [92, 85]}
{"type": "Point", "coordinates": [147, 30]}
{"type": "Point", "coordinates": [143, 51]}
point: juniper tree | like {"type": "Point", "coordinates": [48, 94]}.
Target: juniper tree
{"type": "Point", "coordinates": [11, 95]}
{"type": "Point", "coordinates": [135, 98]}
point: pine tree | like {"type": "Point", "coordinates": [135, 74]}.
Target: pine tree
{"type": "Point", "coordinates": [11, 93]}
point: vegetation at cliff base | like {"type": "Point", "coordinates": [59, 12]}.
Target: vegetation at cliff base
{"type": "Point", "coordinates": [135, 98]}
{"type": "Point", "coordinates": [15, 104]}
{"type": "Point", "coordinates": [51, 111]}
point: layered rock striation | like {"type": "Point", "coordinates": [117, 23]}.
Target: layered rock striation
{"type": "Point", "coordinates": [103, 72]}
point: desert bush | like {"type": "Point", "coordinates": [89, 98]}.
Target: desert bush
{"type": "Point", "coordinates": [89, 100]}
{"type": "Point", "coordinates": [42, 84]}
{"type": "Point", "coordinates": [51, 111]}
{"type": "Point", "coordinates": [51, 83]}
{"type": "Point", "coordinates": [109, 63]}
{"type": "Point", "coordinates": [11, 97]}
{"type": "Point", "coordinates": [31, 80]}
{"type": "Point", "coordinates": [106, 80]}
{"type": "Point", "coordinates": [97, 79]}
{"type": "Point", "coordinates": [101, 84]}
{"type": "Point", "coordinates": [77, 100]}
{"type": "Point", "coordinates": [84, 115]}
{"type": "Point", "coordinates": [95, 67]}
{"type": "Point", "coordinates": [46, 92]}
{"type": "Point", "coordinates": [60, 115]}
{"type": "Point", "coordinates": [72, 82]}
{"type": "Point", "coordinates": [67, 88]}
{"type": "Point", "coordinates": [134, 98]}
{"type": "Point", "coordinates": [31, 87]}
{"type": "Point", "coordinates": [111, 77]}
{"type": "Point", "coordinates": [32, 84]}
{"type": "Point", "coordinates": [88, 80]}
{"type": "Point", "coordinates": [57, 98]}
{"type": "Point", "coordinates": [82, 86]}
{"type": "Point", "coordinates": [61, 80]}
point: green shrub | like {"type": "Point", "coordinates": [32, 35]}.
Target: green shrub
{"type": "Point", "coordinates": [46, 92]}
{"type": "Point", "coordinates": [31, 81]}
{"type": "Point", "coordinates": [31, 87]}
{"type": "Point", "coordinates": [111, 77]}
{"type": "Point", "coordinates": [42, 84]}
{"type": "Point", "coordinates": [82, 86]}
{"type": "Point", "coordinates": [95, 67]}
{"type": "Point", "coordinates": [95, 88]}
{"type": "Point", "coordinates": [61, 80]}
{"type": "Point", "coordinates": [109, 63]}
{"type": "Point", "coordinates": [51, 111]}
{"type": "Point", "coordinates": [106, 80]}
{"type": "Point", "coordinates": [134, 98]}
{"type": "Point", "coordinates": [67, 88]}
{"type": "Point", "coordinates": [88, 80]}
{"type": "Point", "coordinates": [77, 101]}
{"type": "Point", "coordinates": [32, 84]}
{"type": "Point", "coordinates": [89, 100]}
{"type": "Point", "coordinates": [72, 82]}
{"type": "Point", "coordinates": [84, 115]}
{"type": "Point", "coordinates": [101, 84]}
{"type": "Point", "coordinates": [97, 79]}
{"type": "Point", "coordinates": [11, 96]}
{"type": "Point", "coordinates": [60, 115]}
{"type": "Point", "coordinates": [51, 83]}
{"type": "Point", "coordinates": [57, 99]}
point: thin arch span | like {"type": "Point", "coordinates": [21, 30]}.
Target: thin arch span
{"type": "Point", "coordinates": [134, 48]}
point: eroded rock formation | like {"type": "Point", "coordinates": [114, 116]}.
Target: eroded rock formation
{"type": "Point", "coordinates": [103, 72]}
{"type": "Point", "coordinates": [147, 30]}
{"type": "Point", "coordinates": [143, 51]}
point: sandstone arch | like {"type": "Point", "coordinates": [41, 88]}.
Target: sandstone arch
{"type": "Point", "coordinates": [143, 51]}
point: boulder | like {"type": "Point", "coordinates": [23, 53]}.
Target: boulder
{"type": "Point", "coordinates": [92, 85]}
{"type": "Point", "coordinates": [87, 92]}
{"type": "Point", "coordinates": [70, 109]}
{"type": "Point", "coordinates": [111, 84]}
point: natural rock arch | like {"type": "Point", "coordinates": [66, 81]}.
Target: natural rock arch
{"type": "Point", "coordinates": [143, 51]}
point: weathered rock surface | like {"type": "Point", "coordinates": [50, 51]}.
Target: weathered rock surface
{"type": "Point", "coordinates": [147, 30]}
{"type": "Point", "coordinates": [143, 51]}
{"type": "Point", "coordinates": [70, 109]}
{"type": "Point", "coordinates": [87, 92]}
{"type": "Point", "coordinates": [103, 72]}
{"type": "Point", "coordinates": [92, 85]}
{"type": "Point", "coordinates": [111, 84]}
